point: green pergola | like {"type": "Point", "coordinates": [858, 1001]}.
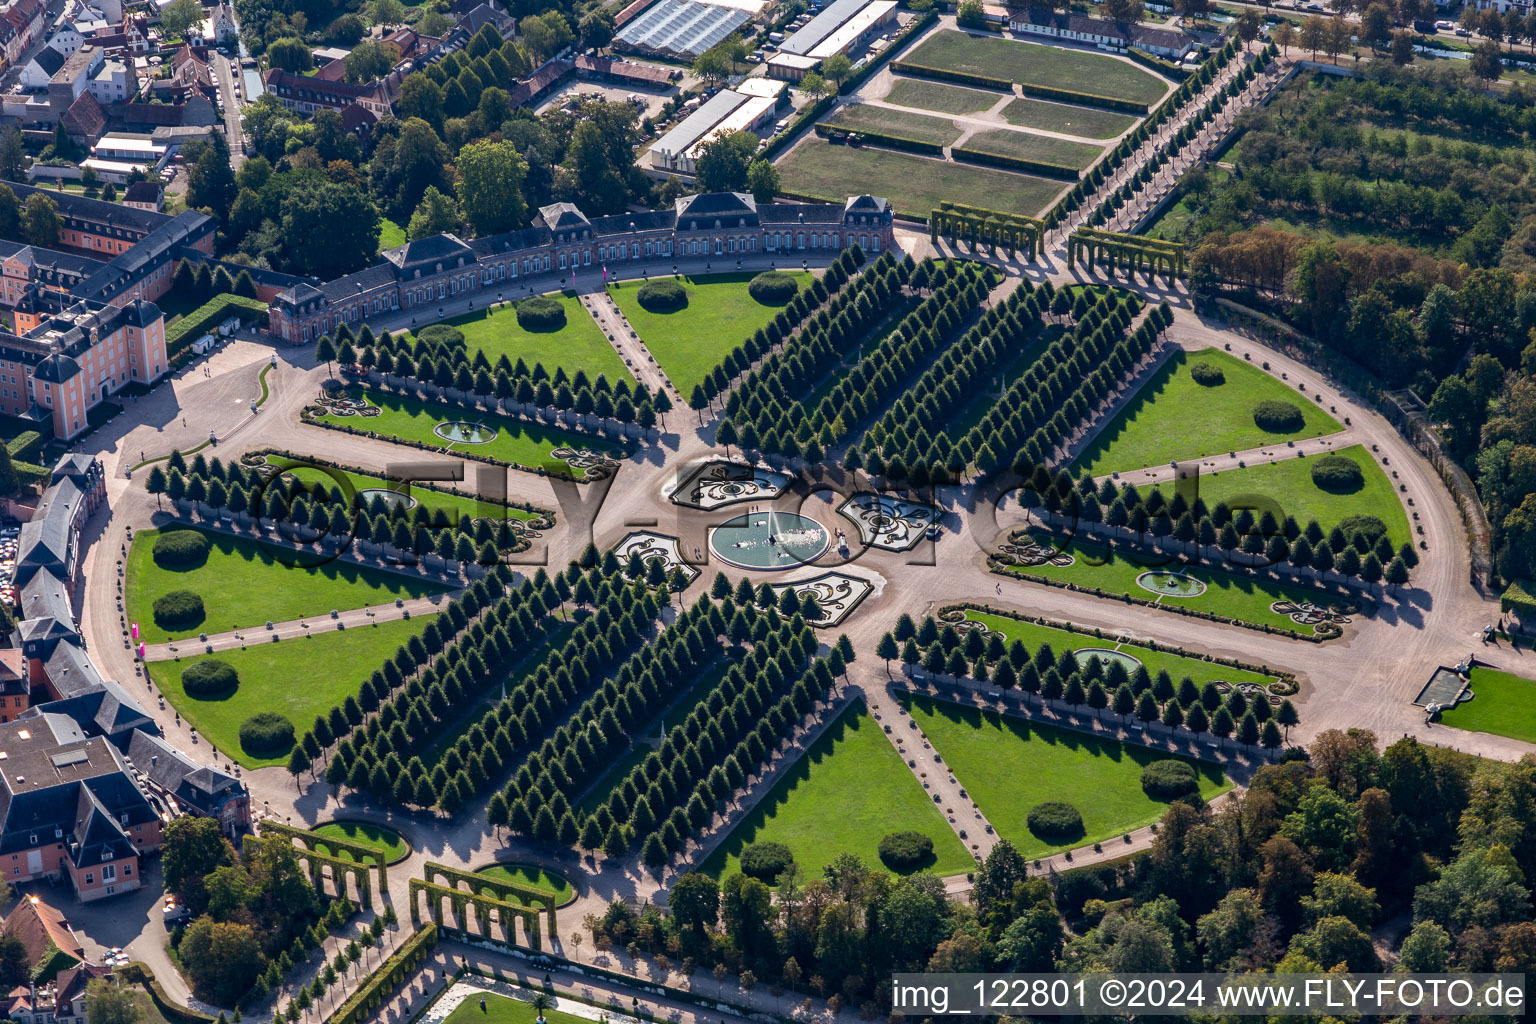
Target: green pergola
{"type": "Point", "coordinates": [1134, 253]}
{"type": "Point", "coordinates": [1011, 231]}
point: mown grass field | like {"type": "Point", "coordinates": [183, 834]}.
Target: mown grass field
{"type": "Point", "coordinates": [690, 342]}
{"type": "Point", "coordinates": [1044, 148]}
{"type": "Point", "coordinates": [298, 678]}
{"type": "Point", "coordinates": [1288, 483]}
{"type": "Point", "coordinates": [243, 586]}
{"type": "Point", "coordinates": [452, 504]}
{"type": "Point", "coordinates": [940, 131]}
{"type": "Point", "coordinates": [1039, 64]}
{"type": "Point", "coordinates": [1174, 416]}
{"type": "Point", "coordinates": [913, 184]}
{"type": "Point", "coordinates": [1008, 766]}
{"type": "Point", "coordinates": [1237, 596]}
{"type": "Point", "coordinates": [526, 444]}
{"type": "Point", "coordinates": [377, 837]}
{"type": "Point", "coordinates": [1502, 704]}
{"type": "Point", "coordinates": [844, 795]}
{"type": "Point", "coordinates": [947, 99]}
{"type": "Point", "coordinates": [579, 345]}
{"type": "Point", "coordinates": [531, 876]}
{"type": "Point", "coordinates": [1084, 122]}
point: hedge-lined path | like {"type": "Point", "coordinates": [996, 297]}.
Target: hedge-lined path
{"type": "Point", "coordinates": [600, 306]}
{"type": "Point", "coordinates": [308, 626]}
{"type": "Point", "coordinates": [1239, 460]}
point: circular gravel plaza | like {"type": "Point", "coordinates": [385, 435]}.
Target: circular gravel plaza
{"type": "Point", "coordinates": [769, 540]}
{"type": "Point", "coordinates": [389, 497]}
{"type": "Point", "coordinates": [1170, 584]}
{"type": "Point", "coordinates": [463, 432]}
{"type": "Point", "coordinates": [1106, 656]}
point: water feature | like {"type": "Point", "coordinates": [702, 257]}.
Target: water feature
{"type": "Point", "coordinates": [769, 540]}
{"type": "Point", "coordinates": [1170, 584]}
{"type": "Point", "coordinates": [462, 432]}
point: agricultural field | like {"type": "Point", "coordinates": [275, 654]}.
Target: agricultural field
{"type": "Point", "coordinates": [514, 442]}
{"type": "Point", "coordinates": [243, 586]}
{"type": "Point", "coordinates": [579, 345]}
{"type": "Point", "coordinates": [330, 665]}
{"type": "Point", "coordinates": [865, 117]}
{"type": "Point", "coordinates": [1289, 484]}
{"type": "Point", "coordinates": [1502, 704]}
{"type": "Point", "coordinates": [1039, 64]}
{"type": "Point", "coordinates": [690, 342]}
{"type": "Point", "coordinates": [1084, 122]}
{"type": "Point", "coordinates": [844, 795]}
{"type": "Point", "coordinates": [1154, 428]}
{"type": "Point", "coordinates": [1008, 765]}
{"type": "Point", "coordinates": [946, 99]}
{"type": "Point", "coordinates": [913, 184]}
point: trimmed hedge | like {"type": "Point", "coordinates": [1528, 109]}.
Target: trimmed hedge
{"type": "Point", "coordinates": [1014, 163]}
{"type": "Point", "coordinates": [765, 860]}
{"type": "Point", "coordinates": [773, 287]}
{"type": "Point", "coordinates": [663, 295]}
{"type": "Point", "coordinates": [180, 609]}
{"type": "Point", "coordinates": [1085, 99]}
{"type": "Point", "coordinates": [826, 130]}
{"type": "Point", "coordinates": [181, 334]}
{"type": "Point", "coordinates": [541, 314]}
{"type": "Point", "coordinates": [181, 549]}
{"type": "Point", "coordinates": [1209, 376]}
{"type": "Point", "coordinates": [208, 679]}
{"type": "Point", "coordinates": [1337, 474]}
{"type": "Point", "coordinates": [370, 995]}
{"type": "Point", "coordinates": [266, 732]}
{"type": "Point", "coordinates": [906, 851]}
{"type": "Point", "coordinates": [950, 75]}
{"type": "Point", "coordinates": [1371, 526]}
{"type": "Point", "coordinates": [1278, 417]}
{"type": "Point", "coordinates": [1055, 820]}
{"type": "Point", "coordinates": [25, 445]}
{"type": "Point", "coordinates": [1167, 780]}
{"type": "Point", "coordinates": [442, 334]}
{"type": "Point", "coordinates": [1167, 68]}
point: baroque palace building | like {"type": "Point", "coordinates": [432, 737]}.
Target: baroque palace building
{"type": "Point", "coordinates": [564, 241]}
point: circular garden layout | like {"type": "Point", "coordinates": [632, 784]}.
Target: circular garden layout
{"type": "Point", "coordinates": [464, 432]}
{"type": "Point", "coordinates": [1170, 584]}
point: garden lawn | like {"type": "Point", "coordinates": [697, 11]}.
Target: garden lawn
{"type": "Point", "coordinates": [1288, 484]}
{"type": "Point", "coordinates": [947, 99]}
{"type": "Point", "coordinates": [913, 184]}
{"type": "Point", "coordinates": [1029, 64]}
{"type": "Point", "coordinates": [720, 315]}
{"type": "Point", "coordinates": [453, 504]}
{"type": "Point", "coordinates": [390, 234]}
{"type": "Point", "coordinates": [506, 1010]}
{"type": "Point", "coordinates": [1008, 765]}
{"type": "Point", "coordinates": [298, 678]}
{"type": "Point", "coordinates": [940, 131]}
{"type": "Point", "coordinates": [1236, 596]}
{"type": "Point", "coordinates": [579, 345]}
{"type": "Point", "coordinates": [244, 587]}
{"type": "Point", "coordinates": [1041, 148]}
{"type": "Point", "coordinates": [1174, 417]}
{"type": "Point", "coordinates": [532, 877]}
{"type": "Point", "coordinates": [1084, 122]}
{"type": "Point", "coordinates": [849, 791]}
{"type": "Point", "coordinates": [377, 837]}
{"type": "Point", "coordinates": [1178, 666]}
{"type": "Point", "coordinates": [1502, 704]}
{"type": "Point", "coordinates": [524, 444]}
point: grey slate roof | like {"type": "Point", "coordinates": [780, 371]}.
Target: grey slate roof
{"type": "Point", "coordinates": [428, 253]}
{"type": "Point", "coordinates": [199, 786]}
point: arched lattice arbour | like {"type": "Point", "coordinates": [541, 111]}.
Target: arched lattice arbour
{"type": "Point", "coordinates": [494, 901]}
{"type": "Point", "coordinates": [328, 851]}
{"type": "Point", "coordinates": [1131, 252]}
{"type": "Point", "coordinates": [1011, 231]}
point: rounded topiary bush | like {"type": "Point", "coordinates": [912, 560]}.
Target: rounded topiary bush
{"type": "Point", "coordinates": [541, 313]}
{"type": "Point", "coordinates": [1165, 780]}
{"type": "Point", "coordinates": [442, 334]}
{"type": "Point", "coordinates": [773, 288]}
{"type": "Point", "coordinates": [211, 678]}
{"type": "Point", "coordinates": [1279, 417]}
{"type": "Point", "coordinates": [765, 860]}
{"type": "Point", "coordinates": [1338, 474]}
{"type": "Point", "coordinates": [1371, 526]}
{"type": "Point", "coordinates": [1055, 820]}
{"type": "Point", "coordinates": [663, 296]}
{"type": "Point", "coordinates": [266, 733]}
{"type": "Point", "coordinates": [906, 851]}
{"type": "Point", "coordinates": [180, 609]}
{"type": "Point", "coordinates": [181, 549]}
{"type": "Point", "coordinates": [1207, 375]}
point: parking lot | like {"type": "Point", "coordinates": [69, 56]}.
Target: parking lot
{"type": "Point", "coordinates": [575, 87]}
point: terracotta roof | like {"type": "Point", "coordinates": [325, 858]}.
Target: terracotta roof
{"type": "Point", "coordinates": [85, 118]}
{"type": "Point", "coordinates": [36, 924]}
